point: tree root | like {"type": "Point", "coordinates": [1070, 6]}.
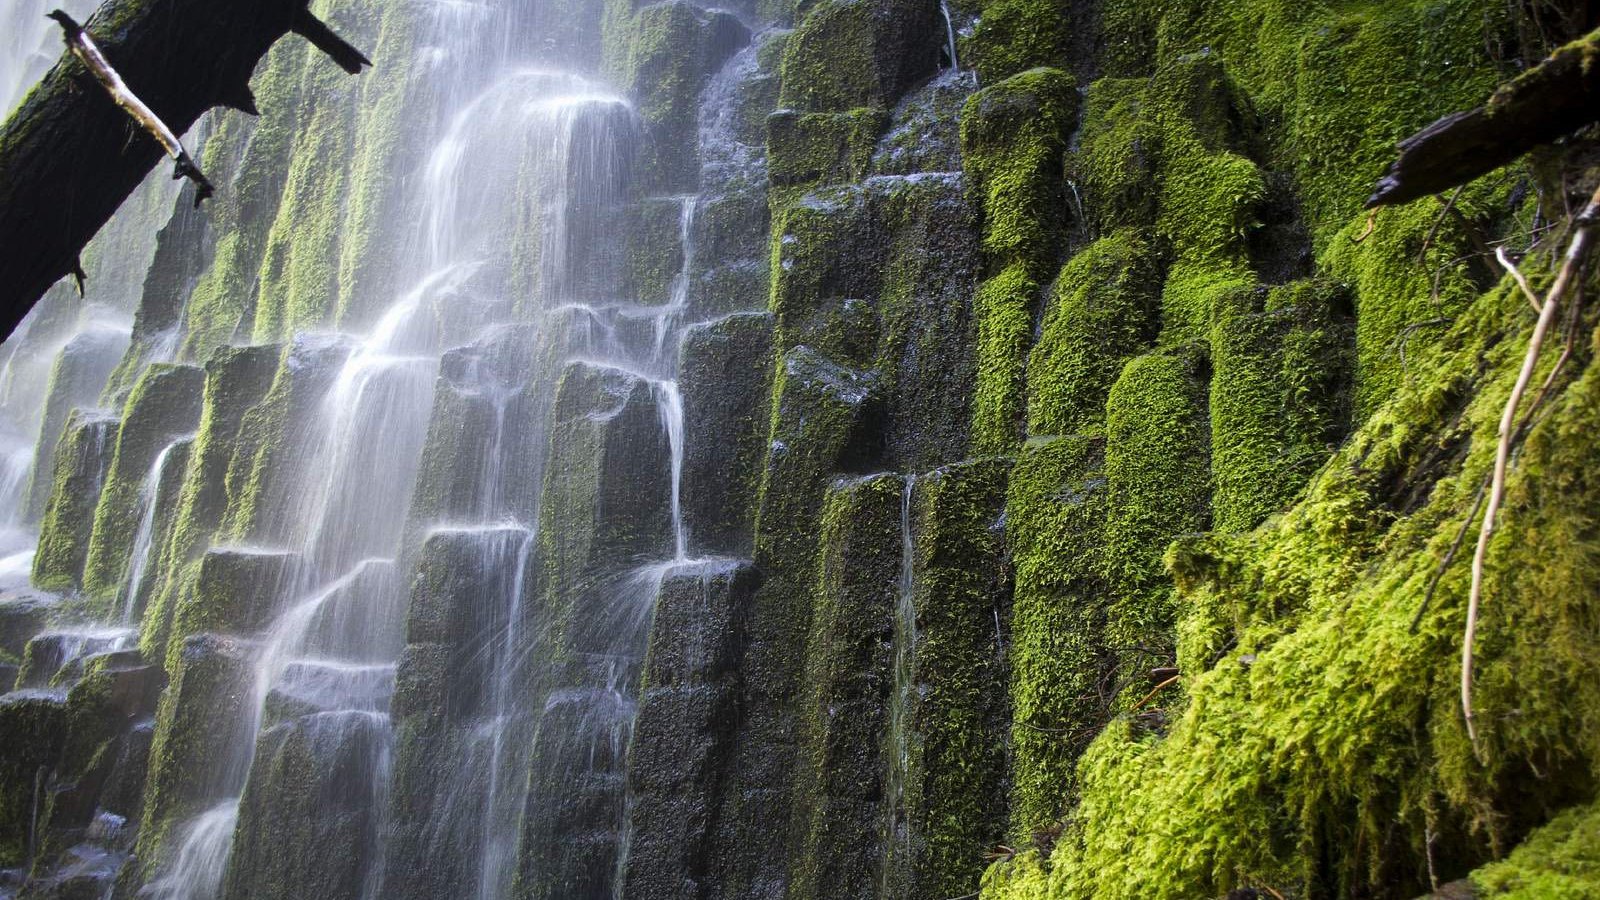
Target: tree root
{"type": "Point", "coordinates": [1571, 270]}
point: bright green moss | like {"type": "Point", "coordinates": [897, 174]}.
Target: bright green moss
{"type": "Point", "coordinates": [1409, 284]}
{"type": "Point", "coordinates": [1055, 511]}
{"type": "Point", "coordinates": [1280, 371]}
{"type": "Point", "coordinates": [1003, 308]}
{"type": "Point", "coordinates": [1321, 741]}
{"type": "Point", "coordinates": [1103, 310]}
{"type": "Point", "coordinates": [1560, 861]}
{"type": "Point", "coordinates": [1158, 486]}
{"type": "Point", "coordinates": [1013, 36]}
{"type": "Point", "coordinates": [1013, 135]}
{"type": "Point", "coordinates": [222, 304]}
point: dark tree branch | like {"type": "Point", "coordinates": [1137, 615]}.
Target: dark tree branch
{"type": "Point", "coordinates": [70, 156]}
{"type": "Point", "coordinates": [1552, 100]}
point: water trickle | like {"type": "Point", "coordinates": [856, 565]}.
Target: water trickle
{"type": "Point", "coordinates": [144, 538]}
{"type": "Point", "coordinates": [897, 826]}
{"type": "Point", "coordinates": [950, 36]}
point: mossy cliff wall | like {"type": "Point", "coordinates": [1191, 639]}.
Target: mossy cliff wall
{"type": "Point", "coordinates": [1071, 472]}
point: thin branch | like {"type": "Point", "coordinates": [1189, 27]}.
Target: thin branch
{"type": "Point", "coordinates": [1518, 277]}
{"type": "Point", "coordinates": [1577, 255]}
{"type": "Point", "coordinates": [1153, 692]}
{"type": "Point", "coordinates": [1450, 557]}
{"type": "Point", "coordinates": [88, 52]}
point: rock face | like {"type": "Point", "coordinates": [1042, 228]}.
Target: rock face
{"type": "Point", "coordinates": [846, 449]}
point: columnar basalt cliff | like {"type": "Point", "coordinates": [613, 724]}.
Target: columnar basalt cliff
{"type": "Point", "coordinates": [888, 449]}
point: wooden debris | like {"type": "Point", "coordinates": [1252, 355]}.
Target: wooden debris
{"type": "Point", "coordinates": [69, 156]}
{"type": "Point", "coordinates": [1548, 102]}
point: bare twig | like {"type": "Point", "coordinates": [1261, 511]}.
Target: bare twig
{"type": "Point", "coordinates": [81, 45]}
{"type": "Point", "coordinates": [1372, 225]}
{"type": "Point", "coordinates": [1450, 557]}
{"type": "Point", "coordinates": [1518, 277]}
{"type": "Point", "coordinates": [1572, 265]}
{"type": "Point", "coordinates": [1153, 692]}
{"type": "Point", "coordinates": [1433, 232]}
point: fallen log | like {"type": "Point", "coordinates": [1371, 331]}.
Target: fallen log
{"type": "Point", "coordinates": [70, 155]}
{"type": "Point", "coordinates": [1547, 102]}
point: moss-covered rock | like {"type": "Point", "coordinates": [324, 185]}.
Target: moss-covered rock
{"type": "Point", "coordinates": [237, 378]}
{"type": "Point", "coordinates": [683, 735]}
{"type": "Point", "coordinates": [607, 495]}
{"type": "Point", "coordinates": [847, 54]}
{"type": "Point", "coordinates": [723, 372]}
{"type": "Point", "coordinates": [1158, 486]}
{"type": "Point", "coordinates": [958, 713]}
{"type": "Point", "coordinates": [163, 406]}
{"type": "Point", "coordinates": [484, 432]}
{"type": "Point", "coordinates": [661, 55]}
{"type": "Point", "coordinates": [826, 147]}
{"type": "Point", "coordinates": [233, 591]}
{"type": "Point", "coordinates": [202, 714]}
{"type": "Point", "coordinates": [1279, 396]}
{"type": "Point", "coordinates": [1013, 137]}
{"type": "Point", "coordinates": [840, 783]}
{"type": "Point", "coordinates": [1055, 514]}
{"type": "Point", "coordinates": [1104, 309]}
{"type": "Point", "coordinates": [308, 818]}
{"type": "Point", "coordinates": [82, 461]}
{"type": "Point", "coordinates": [35, 725]}
{"type": "Point", "coordinates": [76, 379]}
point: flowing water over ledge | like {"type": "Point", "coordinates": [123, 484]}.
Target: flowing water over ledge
{"type": "Point", "coordinates": [396, 554]}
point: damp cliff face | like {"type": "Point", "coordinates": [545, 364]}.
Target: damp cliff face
{"type": "Point", "coordinates": [788, 451]}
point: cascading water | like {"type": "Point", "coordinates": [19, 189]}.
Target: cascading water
{"type": "Point", "coordinates": [514, 297]}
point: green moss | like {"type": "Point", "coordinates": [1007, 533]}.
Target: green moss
{"type": "Point", "coordinates": [1103, 309]}
{"type": "Point", "coordinates": [385, 145]}
{"type": "Point", "coordinates": [200, 713]}
{"type": "Point", "coordinates": [959, 714]}
{"type": "Point", "coordinates": [81, 462]}
{"type": "Point", "coordinates": [1321, 743]}
{"type": "Point", "coordinates": [222, 304]}
{"type": "Point", "coordinates": [1055, 511]}
{"type": "Point", "coordinates": [1158, 487]}
{"type": "Point", "coordinates": [1013, 136]}
{"type": "Point", "coordinates": [236, 380]}
{"type": "Point", "coordinates": [1013, 36]}
{"type": "Point", "coordinates": [1003, 308]}
{"type": "Point", "coordinates": [804, 148]}
{"type": "Point", "coordinates": [164, 404]}
{"type": "Point", "coordinates": [233, 592]}
{"type": "Point", "coordinates": [847, 54]}
{"type": "Point", "coordinates": [848, 679]}
{"type": "Point", "coordinates": [662, 55]}
{"type": "Point", "coordinates": [1560, 861]}
{"type": "Point", "coordinates": [1278, 396]}
{"type": "Point", "coordinates": [1408, 284]}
